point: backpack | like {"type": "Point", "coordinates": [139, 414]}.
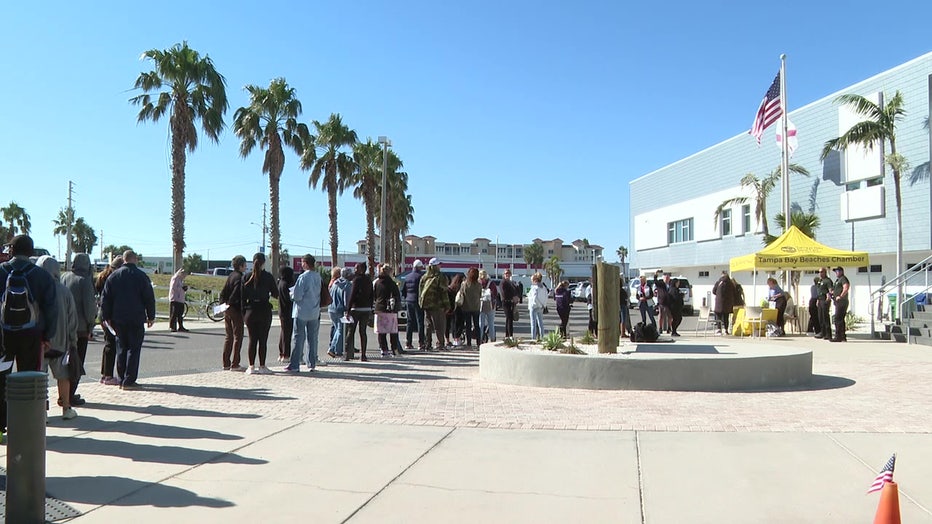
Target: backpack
{"type": "Point", "coordinates": [18, 310]}
{"type": "Point", "coordinates": [644, 333]}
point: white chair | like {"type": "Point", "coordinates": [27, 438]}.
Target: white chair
{"type": "Point", "coordinates": [753, 315]}
{"type": "Point", "coordinates": [791, 316]}
{"type": "Point", "coordinates": [706, 318]}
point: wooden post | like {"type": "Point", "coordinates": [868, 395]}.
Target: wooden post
{"type": "Point", "coordinates": [593, 283]}
{"type": "Point", "coordinates": [607, 297]}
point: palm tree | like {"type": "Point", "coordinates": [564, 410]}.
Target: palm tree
{"type": "Point", "coordinates": [194, 90]}
{"type": "Point", "coordinates": [807, 223]}
{"type": "Point", "coordinates": [367, 158]}
{"type": "Point", "coordinates": [877, 129]}
{"type": "Point", "coordinates": [401, 217]}
{"type": "Point", "coordinates": [332, 169]}
{"type": "Point", "coordinates": [622, 253]}
{"type": "Point", "coordinates": [553, 269]}
{"type": "Point", "coordinates": [762, 188]}
{"type": "Point", "coordinates": [271, 121]}
{"type": "Point", "coordinates": [84, 236]}
{"type": "Point", "coordinates": [534, 255]}
{"type": "Point", "coordinates": [63, 223]}
{"type": "Point", "coordinates": [17, 220]}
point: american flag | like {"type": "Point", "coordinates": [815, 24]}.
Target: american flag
{"type": "Point", "coordinates": [885, 475]}
{"type": "Point", "coordinates": [769, 110]}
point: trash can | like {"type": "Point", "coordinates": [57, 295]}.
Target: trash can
{"type": "Point", "coordinates": [910, 304]}
{"type": "Point", "coordinates": [891, 299]}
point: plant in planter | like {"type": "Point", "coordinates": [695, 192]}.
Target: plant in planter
{"type": "Point", "coordinates": [587, 339]}
{"type": "Point", "coordinates": [852, 321]}
{"type": "Point", "coordinates": [552, 341]}
{"type": "Point", "coordinates": [511, 342]}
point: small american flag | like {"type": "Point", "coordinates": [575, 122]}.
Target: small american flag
{"type": "Point", "coordinates": [885, 475]}
{"type": "Point", "coordinates": [769, 110]}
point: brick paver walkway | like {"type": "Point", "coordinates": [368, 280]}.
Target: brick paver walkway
{"type": "Point", "coordinates": [867, 392]}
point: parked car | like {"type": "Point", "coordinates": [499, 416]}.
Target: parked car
{"type": "Point", "coordinates": [221, 271]}
{"type": "Point", "coordinates": [686, 289]}
{"type": "Point", "coordinates": [582, 291]}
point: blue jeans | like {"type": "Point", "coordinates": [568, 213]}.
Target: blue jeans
{"type": "Point", "coordinates": [415, 322]}
{"type": "Point", "coordinates": [336, 334]}
{"type": "Point", "coordinates": [647, 310]}
{"type": "Point", "coordinates": [537, 322]}
{"type": "Point", "coordinates": [487, 320]}
{"type": "Point", "coordinates": [304, 330]}
{"type": "Point", "coordinates": [129, 341]}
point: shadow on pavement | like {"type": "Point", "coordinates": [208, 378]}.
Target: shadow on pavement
{"type": "Point", "coordinates": [818, 383]}
{"type": "Point", "coordinates": [105, 490]}
{"type": "Point", "coordinates": [146, 429]}
{"type": "Point", "coordinates": [378, 376]}
{"type": "Point", "coordinates": [215, 392]}
{"type": "Point", "coordinates": [173, 412]}
{"type": "Point", "coordinates": [147, 452]}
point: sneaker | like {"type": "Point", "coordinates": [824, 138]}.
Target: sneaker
{"type": "Point", "coordinates": [68, 414]}
{"type": "Point", "coordinates": [112, 381]}
{"type": "Point", "coordinates": [331, 354]}
{"type": "Point", "coordinates": [262, 370]}
{"type": "Point", "coordinates": [237, 368]}
{"type": "Point", "coordinates": [129, 386]}
{"type": "Point", "coordinates": [289, 369]}
{"type": "Point", "coordinates": [250, 370]}
{"type": "Point", "coordinates": [321, 363]}
{"type": "Point", "coordinates": [226, 368]}
{"type": "Point", "coordinates": [184, 330]}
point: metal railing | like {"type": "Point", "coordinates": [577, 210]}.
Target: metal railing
{"type": "Point", "coordinates": [922, 268]}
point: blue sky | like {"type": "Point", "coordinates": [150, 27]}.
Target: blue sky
{"type": "Point", "coordinates": [515, 120]}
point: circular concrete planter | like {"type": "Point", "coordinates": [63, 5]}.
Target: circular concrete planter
{"type": "Point", "coordinates": [658, 367]}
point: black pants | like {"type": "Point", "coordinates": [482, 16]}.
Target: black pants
{"type": "Point", "coordinates": [258, 322]}
{"type": "Point", "coordinates": [677, 313]}
{"type": "Point", "coordinates": [176, 315]}
{"type": "Point", "coordinates": [841, 309]}
{"type": "Point", "coordinates": [814, 325]}
{"type": "Point", "coordinates": [724, 316]}
{"type": "Point", "coordinates": [284, 338]}
{"type": "Point", "coordinates": [509, 307]}
{"type": "Point", "coordinates": [383, 343]}
{"type": "Point", "coordinates": [76, 364]}
{"type": "Point", "coordinates": [825, 321]}
{"type": "Point", "coordinates": [780, 302]}
{"type": "Point", "coordinates": [108, 359]}
{"type": "Point", "coordinates": [26, 348]}
{"type": "Point", "coordinates": [362, 321]}
{"type": "Point", "coordinates": [564, 320]}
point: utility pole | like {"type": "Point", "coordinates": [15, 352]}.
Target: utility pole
{"type": "Point", "coordinates": [264, 228]}
{"type": "Point", "coordinates": [102, 245]}
{"type": "Point", "coordinates": [69, 214]}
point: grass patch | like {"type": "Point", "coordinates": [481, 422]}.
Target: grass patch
{"type": "Point", "coordinates": [587, 339]}
{"type": "Point", "coordinates": [511, 342]}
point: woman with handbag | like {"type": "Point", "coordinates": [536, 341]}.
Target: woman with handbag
{"type": "Point", "coordinates": [387, 299]}
{"type": "Point", "coordinates": [536, 302]}
{"type": "Point", "coordinates": [472, 293]}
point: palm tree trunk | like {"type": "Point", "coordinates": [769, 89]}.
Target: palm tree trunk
{"type": "Point", "coordinates": [899, 234]}
{"type": "Point", "coordinates": [334, 239]}
{"type": "Point", "coordinates": [179, 140]}
{"type": "Point", "coordinates": [275, 230]}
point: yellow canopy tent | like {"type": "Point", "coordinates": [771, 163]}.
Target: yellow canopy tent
{"type": "Point", "coordinates": [794, 250]}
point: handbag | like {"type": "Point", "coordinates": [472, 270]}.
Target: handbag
{"type": "Point", "coordinates": [460, 297]}
{"type": "Point", "coordinates": [514, 315]}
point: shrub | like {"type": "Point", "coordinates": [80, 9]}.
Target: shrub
{"type": "Point", "coordinates": [511, 342]}
{"type": "Point", "coordinates": [587, 338]}
{"type": "Point", "coordinates": [552, 341]}
{"type": "Point", "coordinates": [852, 321]}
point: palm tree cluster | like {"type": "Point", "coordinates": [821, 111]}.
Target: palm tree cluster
{"type": "Point", "coordinates": [15, 221]}
{"type": "Point", "coordinates": [83, 237]}
{"type": "Point", "coordinates": [190, 89]}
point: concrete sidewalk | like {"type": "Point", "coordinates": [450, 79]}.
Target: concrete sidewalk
{"type": "Point", "coordinates": [422, 439]}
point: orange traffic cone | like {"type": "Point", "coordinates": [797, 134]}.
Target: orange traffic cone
{"type": "Point", "coordinates": [888, 511]}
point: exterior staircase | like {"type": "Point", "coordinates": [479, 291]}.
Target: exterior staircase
{"type": "Point", "coordinates": [920, 327]}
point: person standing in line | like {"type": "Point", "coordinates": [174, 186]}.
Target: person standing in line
{"type": "Point", "coordinates": [814, 327]}
{"type": "Point", "coordinates": [624, 299]}
{"type": "Point", "coordinates": [840, 292]}
{"type": "Point", "coordinates": [776, 295]}
{"type": "Point", "coordinates": [455, 317]}
{"type": "Point", "coordinates": [676, 307]}
{"type": "Point", "coordinates": [339, 294]}
{"type": "Point", "coordinates": [434, 301]}
{"type": "Point", "coordinates": [335, 274]}
{"type": "Point", "coordinates": [472, 295]}
{"type": "Point", "coordinates": [108, 358]}
{"type": "Point", "coordinates": [487, 307]}
{"type": "Point", "coordinates": [724, 291]}
{"type": "Point", "coordinates": [825, 303]}
{"type": "Point", "coordinates": [662, 292]}
{"type": "Point", "coordinates": [415, 314]}
{"type": "Point", "coordinates": [536, 302]}
{"type": "Point", "coordinates": [232, 296]}
{"type": "Point", "coordinates": [305, 310]}
{"type": "Point", "coordinates": [510, 297]}
{"type": "Point", "coordinates": [65, 340]}
{"type": "Point", "coordinates": [387, 299]}
{"type": "Point", "coordinates": [80, 284]}
{"type": "Point", "coordinates": [358, 309]}
{"type": "Point", "coordinates": [176, 300]}
{"type": "Point", "coordinates": [128, 306]}
{"type": "Point", "coordinates": [644, 296]}
{"type": "Point", "coordinates": [285, 282]}
{"type": "Point", "coordinates": [564, 301]}
{"type": "Point", "coordinates": [258, 288]}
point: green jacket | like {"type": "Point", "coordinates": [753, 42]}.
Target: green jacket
{"type": "Point", "coordinates": [825, 287]}
{"type": "Point", "coordinates": [432, 292]}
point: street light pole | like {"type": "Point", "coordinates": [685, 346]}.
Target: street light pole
{"type": "Point", "coordinates": [384, 216]}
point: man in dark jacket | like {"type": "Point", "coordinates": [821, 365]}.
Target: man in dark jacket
{"type": "Point", "coordinates": [27, 343]}
{"type": "Point", "coordinates": [724, 291]}
{"type": "Point", "coordinates": [232, 296]}
{"type": "Point", "coordinates": [81, 284]}
{"type": "Point", "coordinates": [415, 313]}
{"type": "Point", "coordinates": [127, 307]}
{"type": "Point", "coordinates": [510, 295]}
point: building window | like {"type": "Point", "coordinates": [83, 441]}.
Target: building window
{"type": "Point", "coordinates": [875, 268]}
{"type": "Point", "coordinates": [703, 274]}
{"type": "Point", "coordinates": [680, 231]}
{"type": "Point", "coordinates": [726, 222]}
{"type": "Point", "coordinates": [746, 218]}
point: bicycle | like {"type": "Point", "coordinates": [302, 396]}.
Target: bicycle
{"type": "Point", "coordinates": [204, 305]}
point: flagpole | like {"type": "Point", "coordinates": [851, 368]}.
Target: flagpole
{"type": "Point", "coordinates": [785, 163]}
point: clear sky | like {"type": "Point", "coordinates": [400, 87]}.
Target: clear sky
{"type": "Point", "coordinates": [515, 119]}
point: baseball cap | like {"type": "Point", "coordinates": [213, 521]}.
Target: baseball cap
{"type": "Point", "coordinates": [22, 245]}
{"type": "Point", "coordinates": [434, 262]}
{"type": "Point", "coordinates": [839, 268]}
{"type": "Point", "coordinates": [418, 263]}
